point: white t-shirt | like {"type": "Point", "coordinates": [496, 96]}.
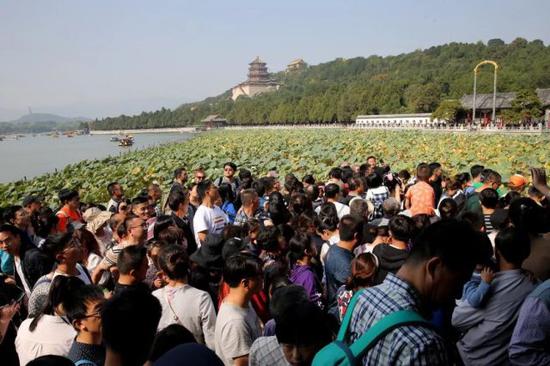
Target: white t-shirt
{"type": "Point", "coordinates": [52, 336]}
{"type": "Point", "coordinates": [19, 269]}
{"type": "Point", "coordinates": [208, 219]}
{"type": "Point", "coordinates": [190, 307]}
{"type": "Point", "coordinates": [341, 209]}
{"type": "Point", "coordinates": [236, 330]}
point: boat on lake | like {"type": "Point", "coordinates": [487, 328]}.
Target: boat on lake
{"type": "Point", "coordinates": [126, 141]}
{"type": "Point", "coordinates": [115, 139]}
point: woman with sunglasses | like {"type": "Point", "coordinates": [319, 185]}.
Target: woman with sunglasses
{"type": "Point", "coordinates": [66, 251]}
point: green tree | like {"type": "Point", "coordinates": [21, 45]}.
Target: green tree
{"type": "Point", "coordinates": [448, 110]}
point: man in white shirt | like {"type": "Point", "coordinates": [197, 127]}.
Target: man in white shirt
{"type": "Point", "coordinates": [209, 218]}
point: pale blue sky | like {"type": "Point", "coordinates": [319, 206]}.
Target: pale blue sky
{"type": "Point", "coordinates": [105, 57]}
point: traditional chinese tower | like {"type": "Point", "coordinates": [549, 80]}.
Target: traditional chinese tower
{"type": "Point", "coordinates": [258, 81]}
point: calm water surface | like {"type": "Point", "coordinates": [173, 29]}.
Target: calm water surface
{"type": "Point", "coordinates": [31, 156]}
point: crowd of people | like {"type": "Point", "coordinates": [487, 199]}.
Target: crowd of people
{"type": "Point", "coordinates": [268, 270]}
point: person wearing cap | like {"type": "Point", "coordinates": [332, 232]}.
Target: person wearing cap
{"type": "Point", "coordinates": [70, 211]}
{"type": "Point", "coordinates": [517, 183]}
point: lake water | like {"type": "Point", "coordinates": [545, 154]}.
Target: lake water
{"type": "Point", "coordinates": [31, 156]}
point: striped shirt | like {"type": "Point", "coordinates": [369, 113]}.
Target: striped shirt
{"type": "Point", "coordinates": [405, 345]}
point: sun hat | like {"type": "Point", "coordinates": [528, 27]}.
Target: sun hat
{"type": "Point", "coordinates": [95, 218]}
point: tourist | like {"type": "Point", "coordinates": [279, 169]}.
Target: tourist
{"type": "Point", "coordinates": [392, 254]}
{"type": "Point", "coordinates": [44, 223]}
{"type": "Point", "coordinates": [181, 303]}
{"type": "Point", "coordinates": [167, 339]}
{"type": "Point", "coordinates": [132, 265]}
{"type": "Point", "coordinates": [140, 207]}
{"type": "Point", "coordinates": [238, 326]}
{"type": "Point", "coordinates": [83, 310]}
{"type": "Point", "coordinates": [69, 214]}
{"type": "Point", "coordinates": [486, 331]}
{"type": "Point", "coordinates": [517, 183]}
{"type": "Point", "coordinates": [229, 170]}
{"type": "Point", "coordinates": [32, 204]}
{"type": "Point", "coordinates": [117, 195]}
{"type": "Point", "coordinates": [332, 195]}
{"type": "Point", "coordinates": [357, 187]}
{"type": "Point", "coordinates": [327, 228]}
{"type": "Point", "coordinates": [180, 178]}
{"type": "Point", "coordinates": [420, 198]}
{"type": "Point", "coordinates": [29, 262]}
{"type": "Point", "coordinates": [154, 194]}
{"type": "Point", "coordinates": [491, 179]}
{"type": "Point", "coordinates": [66, 251]}
{"type": "Point", "coordinates": [199, 175]}
{"type": "Point", "coordinates": [131, 232]}
{"type": "Point", "coordinates": [436, 180]}
{"type": "Point", "coordinates": [339, 257]}
{"type": "Point", "coordinates": [476, 182]}
{"type": "Point", "coordinates": [377, 193]}
{"type": "Point", "coordinates": [249, 209]}
{"type": "Point", "coordinates": [128, 324]}
{"type": "Point", "coordinates": [179, 206]}
{"type": "Point", "coordinates": [489, 201]}
{"type": "Point", "coordinates": [529, 343]}
{"type": "Point", "coordinates": [301, 252]}
{"type": "Point", "coordinates": [47, 332]}
{"type": "Point", "coordinates": [209, 218]}
{"type": "Point", "coordinates": [437, 267]}
{"type": "Point", "coordinates": [227, 199]}
{"type": "Point", "coordinates": [96, 223]}
{"type": "Point", "coordinates": [447, 209]}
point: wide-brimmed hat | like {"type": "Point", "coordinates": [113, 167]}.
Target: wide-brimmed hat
{"type": "Point", "coordinates": [209, 255]}
{"type": "Point", "coordinates": [95, 218]}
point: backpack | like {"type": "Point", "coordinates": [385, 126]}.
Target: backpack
{"type": "Point", "coordinates": [338, 353]}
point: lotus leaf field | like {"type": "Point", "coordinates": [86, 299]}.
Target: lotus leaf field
{"type": "Point", "coordinates": [297, 150]}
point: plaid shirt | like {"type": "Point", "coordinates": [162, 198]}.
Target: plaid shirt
{"type": "Point", "coordinates": [377, 196]}
{"type": "Point", "coordinates": [266, 351]}
{"type": "Point", "coordinates": [406, 345]}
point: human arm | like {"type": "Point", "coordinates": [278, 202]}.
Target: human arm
{"type": "Point", "coordinates": [208, 320]}
{"type": "Point", "coordinates": [476, 290]}
{"type": "Point", "coordinates": [241, 361]}
{"type": "Point", "coordinates": [538, 176]}
{"type": "Point", "coordinates": [466, 316]}
{"type": "Point", "coordinates": [527, 345]}
{"type": "Point", "coordinates": [7, 313]}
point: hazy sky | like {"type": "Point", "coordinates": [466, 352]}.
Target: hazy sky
{"type": "Point", "coordinates": [101, 58]}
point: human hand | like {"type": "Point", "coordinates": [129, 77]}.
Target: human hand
{"type": "Point", "coordinates": [487, 275]}
{"type": "Point", "coordinates": [538, 177]}
{"type": "Point", "coordinates": [7, 312]}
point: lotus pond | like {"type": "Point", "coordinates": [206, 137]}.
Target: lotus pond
{"type": "Point", "coordinates": [300, 151]}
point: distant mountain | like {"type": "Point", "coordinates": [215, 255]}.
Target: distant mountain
{"type": "Point", "coordinates": [47, 117]}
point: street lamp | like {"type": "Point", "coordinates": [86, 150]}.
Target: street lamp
{"type": "Point", "coordinates": [476, 70]}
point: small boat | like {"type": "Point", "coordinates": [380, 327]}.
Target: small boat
{"type": "Point", "coordinates": [126, 141]}
{"type": "Point", "coordinates": [115, 139]}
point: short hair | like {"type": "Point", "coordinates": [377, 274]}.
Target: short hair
{"type": "Point", "coordinates": [244, 174]}
{"type": "Point", "coordinates": [174, 262]}
{"type": "Point", "coordinates": [331, 190]}
{"type": "Point", "coordinates": [303, 324]}
{"type": "Point", "coordinates": [129, 324]}
{"type": "Point", "coordinates": [226, 192]}
{"type": "Point", "coordinates": [230, 164]}
{"type": "Point", "coordinates": [454, 242]}
{"type": "Point", "coordinates": [55, 244]}
{"type": "Point", "coordinates": [268, 238]}
{"type": "Point", "coordinates": [391, 206]}
{"type": "Point", "coordinates": [202, 187]}
{"type": "Point", "coordinates": [401, 227]}
{"type": "Point", "coordinates": [350, 227]}
{"type": "Point", "coordinates": [10, 229]}
{"type": "Point", "coordinates": [354, 183]}
{"type": "Point", "coordinates": [359, 207]}
{"type": "Point", "coordinates": [248, 196]}
{"type": "Point", "coordinates": [131, 258]}
{"type": "Point", "coordinates": [513, 245]}
{"type": "Point", "coordinates": [168, 338]}
{"type": "Point", "coordinates": [178, 171]}
{"type": "Point", "coordinates": [489, 198]}
{"type": "Point", "coordinates": [239, 267]}
{"type": "Point", "coordinates": [423, 172]}
{"type": "Point", "coordinates": [75, 306]}
{"type": "Point", "coordinates": [476, 170]}
{"type": "Point", "coordinates": [176, 198]}
{"type": "Point", "coordinates": [51, 360]}
{"type": "Point", "coordinates": [448, 209]}
{"type": "Point", "coordinates": [327, 218]}
{"type": "Point", "coordinates": [111, 188]}
{"type": "Point", "coordinates": [492, 176]}
{"type": "Point", "coordinates": [371, 157]}
{"type": "Point", "coordinates": [140, 199]}
{"type": "Point", "coordinates": [65, 195]}
{"type": "Point", "coordinates": [335, 173]}
{"type": "Point", "coordinates": [308, 178]}
{"type": "Point", "coordinates": [374, 180]}
{"type": "Point", "coordinates": [434, 166]}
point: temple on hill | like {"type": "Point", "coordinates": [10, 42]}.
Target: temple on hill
{"type": "Point", "coordinates": [296, 65]}
{"type": "Point", "coordinates": [258, 81]}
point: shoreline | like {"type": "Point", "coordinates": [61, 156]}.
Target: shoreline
{"type": "Point", "coordinates": [144, 130]}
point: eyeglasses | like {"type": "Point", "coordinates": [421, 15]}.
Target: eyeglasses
{"type": "Point", "coordinates": [6, 241]}
{"type": "Point", "coordinates": [199, 176]}
{"type": "Point", "coordinates": [144, 226]}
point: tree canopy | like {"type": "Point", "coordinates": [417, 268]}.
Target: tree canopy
{"type": "Point", "coordinates": [341, 89]}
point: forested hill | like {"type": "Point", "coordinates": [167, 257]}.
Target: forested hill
{"type": "Point", "coordinates": [341, 89]}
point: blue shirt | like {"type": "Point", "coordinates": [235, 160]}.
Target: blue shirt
{"type": "Point", "coordinates": [405, 345]}
{"type": "Point", "coordinates": [337, 271]}
{"type": "Point", "coordinates": [530, 344]}
{"type": "Point", "coordinates": [476, 291]}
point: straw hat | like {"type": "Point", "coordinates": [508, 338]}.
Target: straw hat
{"type": "Point", "coordinates": [95, 218]}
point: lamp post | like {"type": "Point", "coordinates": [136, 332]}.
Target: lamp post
{"type": "Point", "coordinates": [476, 70]}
